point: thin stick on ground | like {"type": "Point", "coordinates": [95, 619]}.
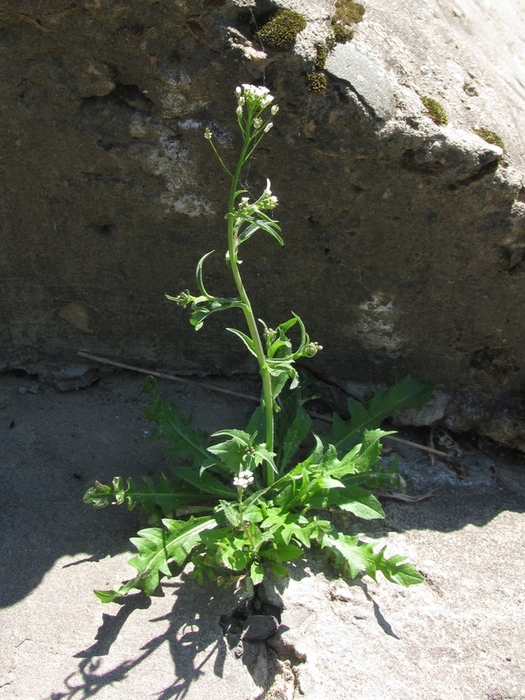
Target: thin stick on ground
{"type": "Point", "coordinates": [240, 395]}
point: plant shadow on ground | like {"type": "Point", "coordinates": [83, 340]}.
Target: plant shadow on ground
{"type": "Point", "coordinates": [194, 636]}
{"type": "Point", "coordinates": [61, 443]}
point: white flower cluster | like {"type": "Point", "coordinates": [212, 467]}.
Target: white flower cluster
{"type": "Point", "coordinates": [253, 94]}
{"type": "Point", "coordinates": [257, 98]}
{"type": "Point", "coordinates": [243, 479]}
{"type": "Point", "coordinates": [266, 201]}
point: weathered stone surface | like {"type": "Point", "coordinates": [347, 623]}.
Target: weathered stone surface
{"type": "Point", "coordinates": [257, 628]}
{"type": "Point", "coordinates": [405, 240]}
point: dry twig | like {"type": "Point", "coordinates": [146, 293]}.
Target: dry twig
{"type": "Point", "coordinates": [238, 394]}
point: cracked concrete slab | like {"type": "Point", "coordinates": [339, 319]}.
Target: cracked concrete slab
{"type": "Point", "coordinates": [458, 636]}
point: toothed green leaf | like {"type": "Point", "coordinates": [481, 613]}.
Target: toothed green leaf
{"type": "Point", "coordinates": [184, 442]}
{"type": "Point", "coordinates": [355, 558]}
{"type": "Point", "coordinates": [353, 499]}
{"type": "Point", "coordinates": [157, 548]}
{"type": "Point", "coordinates": [408, 393]}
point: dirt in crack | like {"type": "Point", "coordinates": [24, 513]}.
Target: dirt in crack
{"type": "Point", "coordinates": [254, 633]}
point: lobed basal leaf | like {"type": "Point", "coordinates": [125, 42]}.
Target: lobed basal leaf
{"type": "Point", "coordinates": [357, 558]}
{"type": "Point", "coordinates": [408, 393]}
{"type": "Point", "coordinates": [157, 548]}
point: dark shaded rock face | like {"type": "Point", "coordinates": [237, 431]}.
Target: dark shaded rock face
{"type": "Point", "coordinates": [405, 241]}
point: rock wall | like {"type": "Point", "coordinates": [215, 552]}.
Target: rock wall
{"type": "Point", "coordinates": [405, 238]}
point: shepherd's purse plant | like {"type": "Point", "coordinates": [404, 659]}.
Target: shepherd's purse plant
{"type": "Point", "coordinates": [240, 503]}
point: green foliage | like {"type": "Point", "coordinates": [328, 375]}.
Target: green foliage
{"type": "Point", "coordinates": [239, 502]}
{"type": "Point", "coordinates": [490, 137]}
{"type": "Point", "coordinates": [408, 393]}
{"type": "Point", "coordinates": [341, 34]}
{"type": "Point", "coordinates": [281, 31]}
{"type": "Point", "coordinates": [316, 82]}
{"type": "Point", "coordinates": [322, 51]}
{"type": "Point", "coordinates": [435, 111]}
{"type": "Point", "coordinates": [348, 12]}
{"type": "Point", "coordinates": [239, 535]}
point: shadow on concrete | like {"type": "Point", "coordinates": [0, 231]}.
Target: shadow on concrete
{"type": "Point", "coordinates": [194, 637]}
{"type": "Point", "coordinates": [54, 446]}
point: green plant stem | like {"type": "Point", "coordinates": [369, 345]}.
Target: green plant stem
{"type": "Point", "coordinates": [247, 309]}
{"type": "Point", "coordinates": [243, 524]}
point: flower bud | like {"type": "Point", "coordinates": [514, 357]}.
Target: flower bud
{"type": "Point", "coordinates": [183, 299]}
{"type": "Point", "coordinates": [208, 135]}
{"type": "Point", "coordinates": [268, 127]}
{"type": "Point", "coordinates": [257, 123]}
{"type": "Point", "coordinates": [274, 110]}
{"type": "Point", "coordinates": [270, 334]}
{"type": "Point", "coordinates": [311, 349]}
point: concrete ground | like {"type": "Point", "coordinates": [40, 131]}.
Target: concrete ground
{"type": "Point", "coordinates": [458, 636]}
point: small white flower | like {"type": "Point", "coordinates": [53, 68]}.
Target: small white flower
{"type": "Point", "coordinates": [238, 90]}
{"type": "Point", "coordinates": [243, 204]}
{"type": "Point", "coordinates": [268, 127]}
{"type": "Point", "coordinates": [208, 134]}
{"type": "Point", "coordinates": [257, 123]}
{"type": "Point", "coordinates": [267, 200]}
{"type": "Point", "coordinates": [274, 110]}
{"type": "Point", "coordinates": [257, 95]}
{"type": "Point", "coordinates": [243, 479]}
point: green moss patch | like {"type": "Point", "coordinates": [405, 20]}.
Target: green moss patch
{"type": "Point", "coordinates": [280, 32]}
{"type": "Point", "coordinates": [435, 111]}
{"type": "Point", "coordinates": [341, 34]}
{"type": "Point", "coordinates": [322, 55]}
{"type": "Point", "coordinates": [348, 12]}
{"type": "Point", "coordinates": [316, 82]}
{"type": "Point", "coordinates": [490, 137]}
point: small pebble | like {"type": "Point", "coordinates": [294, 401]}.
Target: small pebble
{"type": "Point", "coordinates": [32, 389]}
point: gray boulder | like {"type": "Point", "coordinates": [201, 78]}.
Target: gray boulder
{"type": "Point", "coordinates": [405, 238]}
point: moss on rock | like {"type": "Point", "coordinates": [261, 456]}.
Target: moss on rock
{"type": "Point", "coordinates": [281, 30]}
{"type": "Point", "coordinates": [490, 137]}
{"type": "Point", "coordinates": [348, 12]}
{"type": "Point", "coordinates": [316, 82]}
{"type": "Point", "coordinates": [322, 54]}
{"type": "Point", "coordinates": [435, 111]}
{"type": "Point", "coordinates": [341, 34]}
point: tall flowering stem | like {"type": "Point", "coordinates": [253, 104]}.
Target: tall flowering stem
{"type": "Point", "coordinates": [252, 103]}
{"type": "Point", "coordinates": [270, 522]}
{"type": "Point", "coordinates": [273, 351]}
